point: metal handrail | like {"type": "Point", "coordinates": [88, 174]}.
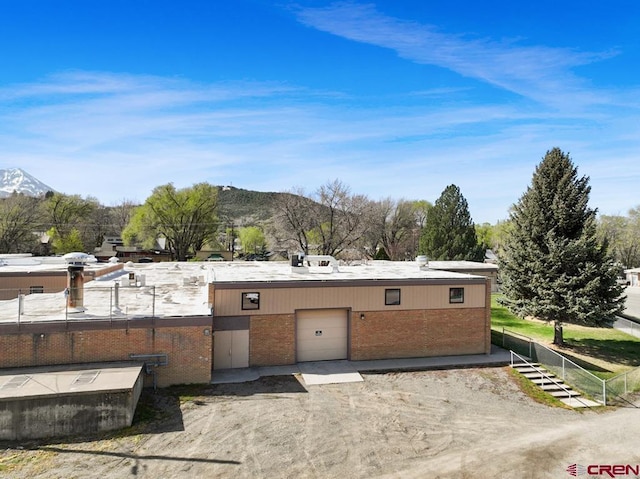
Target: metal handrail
{"type": "Point", "coordinates": [564, 359]}
{"type": "Point", "coordinates": [624, 375]}
{"type": "Point", "coordinates": [545, 376]}
{"type": "Point", "coordinates": [514, 333]}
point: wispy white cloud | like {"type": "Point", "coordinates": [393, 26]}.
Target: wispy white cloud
{"type": "Point", "coordinates": [541, 73]}
{"type": "Point", "coordinates": [118, 136]}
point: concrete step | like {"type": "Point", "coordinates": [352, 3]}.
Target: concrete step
{"type": "Point", "coordinates": [564, 394]}
{"type": "Point", "coordinates": [527, 369]}
{"type": "Point", "coordinates": [547, 375]}
{"type": "Point", "coordinates": [546, 380]}
{"type": "Point", "coordinates": [578, 402]}
{"type": "Point", "coordinates": [552, 387]}
{"type": "Point", "coordinates": [525, 365]}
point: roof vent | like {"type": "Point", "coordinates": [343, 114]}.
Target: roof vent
{"type": "Point", "coordinates": [76, 259]}
{"type": "Point", "coordinates": [324, 263]}
{"type": "Point", "coordinates": [297, 260]}
{"type": "Point", "coordinates": [84, 378]}
{"type": "Point", "coordinates": [423, 262]}
{"type": "Point", "coordinates": [297, 263]}
{"type": "Point", "coordinates": [15, 382]}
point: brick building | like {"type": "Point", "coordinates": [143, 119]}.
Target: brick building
{"type": "Point", "coordinates": [201, 317]}
{"type": "Point", "coordinates": [166, 325]}
{"type": "Point", "coordinates": [277, 314]}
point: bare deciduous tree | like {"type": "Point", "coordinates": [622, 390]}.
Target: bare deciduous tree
{"type": "Point", "coordinates": [121, 215]}
{"type": "Point", "coordinates": [328, 222]}
{"type": "Point", "coordinates": [394, 226]}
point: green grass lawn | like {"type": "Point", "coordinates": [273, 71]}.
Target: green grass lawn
{"type": "Point", "coordinates": [604, 351]}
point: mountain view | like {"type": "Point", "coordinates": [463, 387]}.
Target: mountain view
{"type": "Point", "coordinates": [236, 205]}
{"type": "Point", "coordinates": [15, 179]}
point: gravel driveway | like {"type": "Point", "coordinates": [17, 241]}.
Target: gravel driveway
{"type": "Point", "coordinates": [460, 423]}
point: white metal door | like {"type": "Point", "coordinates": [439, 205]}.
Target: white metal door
{"type": "Point", "coordinates": [321, 335]}
{"type": "Point", "coordinates": [231, 349]}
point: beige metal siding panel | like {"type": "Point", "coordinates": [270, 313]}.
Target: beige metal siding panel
{"type": "Point", "coordinates": [10, 286]}
{"type": "Point", "coordinates": [321, 335]}
{"type": "Point", "coordinates": [359, 298]}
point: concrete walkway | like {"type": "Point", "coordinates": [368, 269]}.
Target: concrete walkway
{"type": "Point", "coordinates": [498, 357]}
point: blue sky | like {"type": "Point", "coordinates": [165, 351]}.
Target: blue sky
{"type": "Point", "coordinates": [395, 98]}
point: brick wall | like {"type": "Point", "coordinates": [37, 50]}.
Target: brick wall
{"type": "Point", "coordinates": [211, 295]}
{"type": "Point", "coordinates": [381, 335]}
{"type": "Point", "coordinates": [187, 346]}
{"type": "Point", "coordinates": [406, 334]}
{"type": "Point", "coordinates": [272, 340]}
{"type": "Point", "coordinates": [487, 318]}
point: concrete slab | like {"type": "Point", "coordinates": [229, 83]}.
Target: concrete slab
{"type": "Point", "coordinates": [498, 357]}
{"type": "Point", "coordinates": [579, 402]}
{"type": "Point", "coordinates": [56, 401]}
{"type": "Point", "coordinates": [329, 372]}
{"type": "Point", "coordinates": [44, 381]}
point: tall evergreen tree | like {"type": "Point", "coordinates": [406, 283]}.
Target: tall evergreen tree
{"type": "Point", "coordinates": [449, 232]}
{"type": "Point", "coordinates": [553, 267]}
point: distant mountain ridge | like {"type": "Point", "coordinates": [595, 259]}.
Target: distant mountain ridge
{"type": "Point", "coordinates": [237, 206]}
{"type": "Point", "coordinates": [19, 181]}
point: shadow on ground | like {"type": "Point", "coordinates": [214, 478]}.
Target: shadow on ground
{"type": "Point", "coordinates": [610, 350]}
{"type": "Point", "coordinates": [136, 458]}
{"type": "Point", "coordinates": [264, 385]}
{"type": "Point", "coordinates": [157, 412]}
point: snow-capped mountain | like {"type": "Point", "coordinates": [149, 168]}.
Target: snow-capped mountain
{"type": "Point", "coordinates": [15, 179]}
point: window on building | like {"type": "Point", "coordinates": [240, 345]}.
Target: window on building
{"type": "Point", "coordinates": [456, 295]}
{"type": "Point", "coordinates": [36, 289]}
{"type": "Point", "coordinates": [250, 300]}
{"type": "Point", "coordinates": [391, 297]}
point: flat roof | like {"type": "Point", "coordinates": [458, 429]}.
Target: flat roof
{"type": "Point", "coordinates": [178, 289]}
{"type": "Point", "coordinates": [265, 271]}
{"type": "Point", "coordinates": [156, 290]}
{"type": "Point", "coordinates": [463, 265]}
{"type": "Point", "coordinates": [71, 379]}
{"type": "Point", "coordinates": [41, 264]}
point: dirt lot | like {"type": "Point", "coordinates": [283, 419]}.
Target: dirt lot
{"type": "Point", "coordinates": [471, 423]}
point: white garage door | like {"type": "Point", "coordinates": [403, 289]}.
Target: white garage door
{"type": "Point", "coordinates": [321, 335]}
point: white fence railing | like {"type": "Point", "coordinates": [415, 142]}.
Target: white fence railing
{"type": "Point", "coordinates": [546, 378]}
{"type": "Point", "coordinates": [570, 372]}
{"type": "Point", "coordinates": [627, 326]}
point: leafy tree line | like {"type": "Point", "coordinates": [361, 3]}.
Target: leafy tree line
{"type": "Point", "coordinates": [623, 236]}
{"type": "Point", "coordinates": [329, 221]}
{"type": "Point", "coordinates": [71, 222]}
{"type": "Point", "coordinates": [558, 261]}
